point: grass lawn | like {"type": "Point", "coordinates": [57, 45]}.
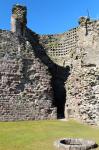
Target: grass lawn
{"type": "Point", "coordinates": [40, 135]}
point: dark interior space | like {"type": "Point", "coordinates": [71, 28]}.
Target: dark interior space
{"type": "Point", "coordinates": [59, 77]}
{"type": "Point", "coordinates": [59, 74]}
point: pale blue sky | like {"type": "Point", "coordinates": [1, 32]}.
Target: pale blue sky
{"type": "Point", "coordinates": [50, 16]}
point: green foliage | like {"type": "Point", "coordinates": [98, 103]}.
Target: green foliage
{"type": "Point", "coordinates": [40, 135]}
{"type": "Point", "coordinates": [52, 44]}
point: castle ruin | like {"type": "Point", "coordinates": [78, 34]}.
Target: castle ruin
{"type": "Point", "coordinates": [49, 76]}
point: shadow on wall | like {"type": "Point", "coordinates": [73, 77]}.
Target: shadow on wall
{"type": "Point", "coordinates": [59, 74]}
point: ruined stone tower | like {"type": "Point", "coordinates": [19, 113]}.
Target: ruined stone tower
{"type": "Point", "coordinates": [18, 19]}
{"type": "Point", "coordinates": [49, 76]}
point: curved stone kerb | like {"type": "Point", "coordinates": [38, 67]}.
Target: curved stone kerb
{"type": "Point", "coordinates": [74, 144]}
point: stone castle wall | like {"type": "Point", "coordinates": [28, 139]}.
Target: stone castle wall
{"type": "Point", "coordinates": [59, 47]}
{"type": "Point", "coordinates": [78, 49]}
{"type": "Point", "coordinates": [82, 85]}
{"type": "Point", "coordinates": [25, 86]}
{"type": "Point", "coordinates": [49, 76]}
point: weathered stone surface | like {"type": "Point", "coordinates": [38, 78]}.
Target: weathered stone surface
{"type": "Point", "coordinates": [78, 49]}
{"type": "Point", "coordinates": [41, 72]}
{"type": "Point", "coordinates": [25, 88]}
{"type": "Point", "coordinates": [75, 144]}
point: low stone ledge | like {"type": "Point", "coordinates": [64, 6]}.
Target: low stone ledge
{"type": "Point", "coordinates": [74, 144]}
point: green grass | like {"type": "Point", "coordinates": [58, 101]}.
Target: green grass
{"type": "Point", "coordinates": [40, 135]}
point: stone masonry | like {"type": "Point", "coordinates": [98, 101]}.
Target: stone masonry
{"type": "Point", "coordinates": [78, 49]}
{"type": "Point", "coordinates": [25, 86]}
{"type": "Point", "coordinates": [49, 76]}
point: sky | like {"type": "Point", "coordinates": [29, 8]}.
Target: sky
{"type": "Point", "coordinates": [50, 16]}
